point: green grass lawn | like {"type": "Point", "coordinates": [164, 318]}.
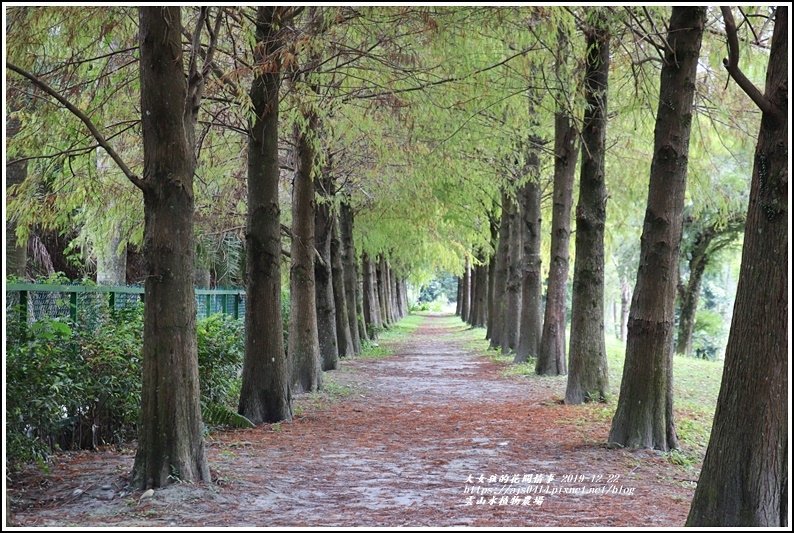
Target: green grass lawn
{"type": "Point", "coordinates": [383, 346]}
{"type": "Point", "coordinates": [696, 384]}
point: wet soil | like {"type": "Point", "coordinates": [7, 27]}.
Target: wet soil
{"type": "Point", "coordinates": [434, 435]}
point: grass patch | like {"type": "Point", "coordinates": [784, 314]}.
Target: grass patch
{"type": "Point", "coordinates": [330, 393]}
{"type": "Point", "coordinates": [696, 384]}
{"type": "Point", "coordinates": [384, 345]}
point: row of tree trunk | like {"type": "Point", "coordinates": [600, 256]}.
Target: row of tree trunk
{"type": "Point", "coordinates": [331, 312]}
{"type": "Point", "coordinates": [744, 476]}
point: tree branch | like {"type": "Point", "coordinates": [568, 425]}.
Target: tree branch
{"type": "Point", "coordinates": [101, 141]}
{"type": "Point", "coordinates": [731, 64]}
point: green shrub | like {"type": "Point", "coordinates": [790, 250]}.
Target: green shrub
{"type": "Point", "coordinates": [221, 347]}
{"type": "Point", "coordinates": [708, 334]}
{"type": "Point", "coordinates": [44, 379]}
{"type": "Point", "coordinates": [437, 305]}
{"type": "Point", "coordinates": [77, 388]}
{"type": "Point", "coordinates": [112, 356]}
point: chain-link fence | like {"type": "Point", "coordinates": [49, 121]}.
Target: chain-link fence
{"type": "Point", "coordinates": [85, 305]}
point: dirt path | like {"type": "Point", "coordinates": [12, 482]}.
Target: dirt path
{"type": "Point", "coordinates": [399, 450]}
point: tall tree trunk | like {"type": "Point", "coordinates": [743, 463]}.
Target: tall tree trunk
{"type": "Point", "coordinates": [170, 444]}
{"type": "Point", "coordinates": [16, 172]}
{"type": "Point", "coordinates": [406, 304]}
{"type": "Point", "coordinates": [344, 335]}
{"type": "Point", "coordinates": [531, 327]}
{"type": "Point", "coordinates": [387, 289]}
{"type": "Point", "coordinates": [362, 326]}
{"type": "Point", "coordinates": [381, 291]}
{"type": "Point", "coordinates": [265, 394]}
{"type": "Point", "coordinates": [644, 416]}
{"type": "Point", "coordinates": [511, 319]}
{"type": "Point", "coordinates": [500, 274]}
{"type": "Point", "coordinates": [480, 297]}
{"type": "Point", "coordinates": [551, 356]}
{"type": "Point", "coordinates": [493, 223]}
{"type": "Point", "coordinates": [459, 303]}
{"type": "Point", "coordinates": [615, 318]}
{"type": "Point", "coordinates": [111, 263]}
{"type": "Point", "coordinates": [323, 276]}
{"type": "Point", "coordinates": [304, 344]}
{"type": "Point", "coordinates": [202, 277]}
{"type": "Point", "coordinates": [371, 304]}
{"type": "Point", "coordinates": [587, 377]}
{"type": "Point", "coordinates": [472, 293]}
{"type": "Point", "coordinates": [489, 307]}
{"type": "Point", "coordinates": [486, 290]}
{"type": "Point", "coordinates": [744, 480]}
{"type": "Point", "coordinates": [465, 292]}
{"type": "Point", "coordinates": [625, 301]}
{"type": "Point", "coordinates": [691, 295]}
{"type": "Point", "coordinates": [397, 298]}
{"type": "Point", "coordinates": [383, 285]}
{"type": "Point", "coordinates": [350, 276]}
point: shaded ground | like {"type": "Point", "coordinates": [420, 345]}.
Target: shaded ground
{"type": "Point", "coordinates": [398, 449]}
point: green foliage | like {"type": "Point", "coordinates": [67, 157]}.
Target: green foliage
{"type": "Point", "coordinates": [74, 387]}
{"type": "Point", "coordinates": [443, 284]}
{"type": "Point", "coordinates": [221, 348]}
{"type": "Point", "coordinates": [43, 382]}
{"type": "Point", "coordinates": [708, 334]}
{"type": "Point", "coordinates": [215, 414]}
{"type": "Point", "coordinates": [112, 356]}
{"type": "Point", "coordinates": [437, 305]}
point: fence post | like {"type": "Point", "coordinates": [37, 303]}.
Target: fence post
{"type": "Point", "coordinates": [23, 314]}
{"type": "Point", "coordinates": [237, 306]}
{"type": "Point", "coordinates": [73, 306]}
{"type": "Point", "coordinates": [112, 302]}
{"type": "Point", "coordinates": [225, 300]}
{"type": "Point", "coordinates": [207, 304]}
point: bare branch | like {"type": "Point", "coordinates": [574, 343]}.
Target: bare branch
{"type": "Point", "coordinates": [731, 64]}
{"type": "Point", "coordinates": [138, 182]}
{"type": "Point", "coordinates": [208, 56]}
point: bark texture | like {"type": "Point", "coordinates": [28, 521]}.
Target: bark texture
{"type": "Point", "coordinates": [644, 416]}
{"type": "Point", "coordinates": [587, 376]}
{"type": "Point", "coordinates": [265, 396]}
{"type": "Point", "coordinates": [500, 275]}
{"type": "Point", "coordinates": [551, 355]}
{"type": "Point", "coordinates": [530, 329]}
{"type": "Point", "coordinates": [344, 338]}
{"type": "Point", "coordinates": [350, 276]}
{"type": "Point", "coordinates": [511, 318]}
{"type": "Point", "coordinates": [744, 480]}
{"type": "Point", "coordinates": [170, 444]}
{"type": "Point", "coordinates": [372, 313]}
{"type": "Point", "coordinates": [323, 276]}
{"type": "Point", "coordinates": [304, 345]}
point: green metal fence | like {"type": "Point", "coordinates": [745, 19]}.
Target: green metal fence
{"type": "Point", "coordinates": [84, 304]}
